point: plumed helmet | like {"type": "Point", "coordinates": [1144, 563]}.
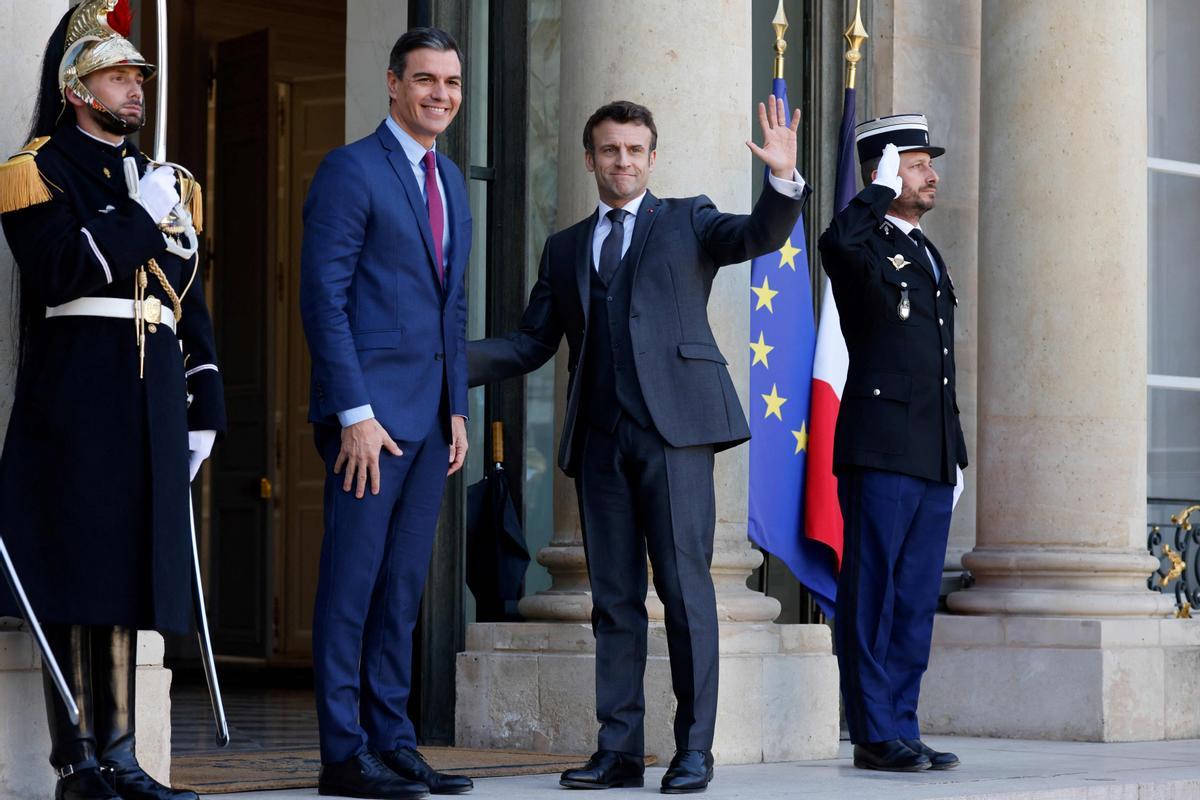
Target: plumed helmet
{"type": "Point", "coordinates": [96, 40]}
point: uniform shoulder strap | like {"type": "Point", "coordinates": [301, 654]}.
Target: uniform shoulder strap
{"type": "Point", "coordinates": [21, 182]}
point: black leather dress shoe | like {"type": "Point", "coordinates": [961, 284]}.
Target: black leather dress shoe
{"type": "Point", "coordinates": [131, 782]}
{"type": "Point", "coordinates": [607, 769]}
{"type": "Point", "coordinates": [408, 763]}
{"type": "Point", "coordinates": [937, 759]}
{"type": "Point", "coordinates": [365, 776]}
{"type": "Point", "coordinates": [890, 756]}
{"type": "Point", "coordinates": [690, 771]}
{"type": "Point", "coordinates": [85, 784]}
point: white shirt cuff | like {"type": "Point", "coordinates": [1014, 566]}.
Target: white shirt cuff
{"type": "Point", "coordinates": [353, 416]}
{"type": "Point", "coordinates": [793, 188]}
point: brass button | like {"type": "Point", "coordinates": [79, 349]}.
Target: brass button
{"type": "Point", "coordinates": [939, 293]}
{"type": "Point", "coordinates": [939, 321]}
{"type": "Point", "coordinates": [945, 381]}
{"type": "Point", "coordinates": [903, 284]}
{"type": "Point", "coordinates": [876, 393]}
{"type": "Point", "coordinates": [945, 351]}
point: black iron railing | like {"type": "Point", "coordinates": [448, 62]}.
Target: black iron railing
{"type": "Point", "coordinates": [1176, 545]}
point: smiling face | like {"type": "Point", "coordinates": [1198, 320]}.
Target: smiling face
{"type": "Point", "coordinates": [621, 160]}
{"type": "Point", "coordinates": [920, 186]}
{"type": "Point", "coordinates": [426, 97]}
{"type": "Point", "coordinates": [119, 89]}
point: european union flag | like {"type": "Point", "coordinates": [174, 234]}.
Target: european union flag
{"type": "Point", "coordinates": [783, 339]}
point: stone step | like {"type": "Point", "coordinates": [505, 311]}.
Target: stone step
{"type": "Point", "coordinates": [992, 769]}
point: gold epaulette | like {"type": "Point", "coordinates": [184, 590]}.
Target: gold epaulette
{"type": "Point", "coordinates": [193, 197]}
{"type": "Point", "coordinates": [21, 182]}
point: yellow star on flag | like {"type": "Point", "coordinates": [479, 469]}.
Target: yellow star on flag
{"type": "Point", "coordinates": [774, 403]}
{"type": "Point", "coordinates": [801, 438]}
{"type": "Point", "coordinates": [765, 295]}
{"type": "Point", "coordinates": [761, 349]}
{"type": "Point", "coordinates": [787, 255]}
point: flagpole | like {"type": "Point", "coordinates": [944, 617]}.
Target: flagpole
{"type": "Point", "coordinates": [780, 24]}
{"type": "Point", "coordinates": [855, 35]}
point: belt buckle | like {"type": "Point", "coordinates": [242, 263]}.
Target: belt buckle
{"type": "Point", "coordinates": [152, 310]}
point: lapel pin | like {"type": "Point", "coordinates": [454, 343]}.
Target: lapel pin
{"type": "Point", "coordinates": [898, 261]}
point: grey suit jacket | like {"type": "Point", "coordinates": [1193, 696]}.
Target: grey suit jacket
{"type": "Point", "coordinates": [677, 247]}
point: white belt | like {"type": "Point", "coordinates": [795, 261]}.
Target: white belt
{"type": "Point", "coordinates": [113, 307]}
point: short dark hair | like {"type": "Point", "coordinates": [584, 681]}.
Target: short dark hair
{"type": "Point", "coordinates": [620, 111]}
{"type": "Point", "coordinates": [869, 166]}
{"type": "Point", "coordinates": [417, 39]}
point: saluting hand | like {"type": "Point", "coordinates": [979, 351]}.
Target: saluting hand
{"type": "Point", "coordinates": [361, 443]}
{"type": "Point", "coordinates": [778, 149]}
{"type": "Point", "coordinates": [888, 172]}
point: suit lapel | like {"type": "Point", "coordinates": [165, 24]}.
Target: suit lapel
{"type": "Point", "coordinates": [455, 205]}
{"type": "Point", "coordinates": [404, 172]}
{"type": "Point", "coordinates": [583, 260]}
{"type": "Point", "coordinates": [647, 213]}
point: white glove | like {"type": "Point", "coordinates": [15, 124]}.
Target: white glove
{"type": "Point", "coordinates": [888, 172]}
{"type": "Point", "coordinates": [156, 193]}
{"type": "Point", "coordinates": [200, 444]}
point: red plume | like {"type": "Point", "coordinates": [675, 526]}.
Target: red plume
{"type": "Point", "coordinates": [120, 19]}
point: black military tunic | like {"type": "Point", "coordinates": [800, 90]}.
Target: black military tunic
{"type": "Point", "coordinates": [94, 473]}
{"type": "Point", "coordinates": [899, 410]}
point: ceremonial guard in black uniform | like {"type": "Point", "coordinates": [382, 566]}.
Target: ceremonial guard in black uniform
{"type": "Point", "coordinates": [898, 445]}
{"type": "Point", "coordinates": [118, 397]}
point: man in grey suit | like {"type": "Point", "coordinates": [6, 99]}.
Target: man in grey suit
{"type": "Point", "coordinates": [649, 402]}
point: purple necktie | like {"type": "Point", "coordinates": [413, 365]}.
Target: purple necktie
{"type": "Point", "coordinates": [437, 213]}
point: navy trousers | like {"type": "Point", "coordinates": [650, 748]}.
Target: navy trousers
{"type": "Point", "coordinates": [895, 546]}
{"type": "Point", "coordinates": [639, 496]}
{"type": "Point", "coordinates": [374, 560]}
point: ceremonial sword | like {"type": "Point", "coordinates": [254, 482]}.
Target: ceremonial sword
{"type": "Point", "coordinates": [51, 663]}
{"type": "Point", "coordinates": [198, 606]}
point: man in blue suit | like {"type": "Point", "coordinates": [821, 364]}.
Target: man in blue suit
{"type": "Point", "coordinates": [387, 232]}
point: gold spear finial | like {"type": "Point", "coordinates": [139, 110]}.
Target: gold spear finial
{"type": "Point", "coordinates": [780, 24]}
{"type": "Point", "coordinates": [856, 34]}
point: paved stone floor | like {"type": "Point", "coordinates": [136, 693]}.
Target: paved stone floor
{"type": "Point", "coordinates": [993, 769]}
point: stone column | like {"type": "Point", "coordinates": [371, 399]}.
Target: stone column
{"type": "Point", "coordinates": [372, 28]}
{"type": "Point", "coordinates": [691, 66]}
{"type": "Point", "coordinates": [1064, 640]}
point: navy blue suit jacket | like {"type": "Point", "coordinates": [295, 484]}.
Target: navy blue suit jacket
{"type": "Point", "coordinates": [380, 327]}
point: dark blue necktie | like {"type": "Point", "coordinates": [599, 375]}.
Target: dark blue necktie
{"type": "Point", "coordinates": [610, 251]}
{"type": "Point", "coordinates": [918, 236]}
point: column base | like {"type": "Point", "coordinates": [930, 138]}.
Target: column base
{"type": "Point", "coordinates": [25, 772]}
{"type": "Point", "coordinates": [531, 686]}
{"type": "Point", "coordinates": [1102, 680]}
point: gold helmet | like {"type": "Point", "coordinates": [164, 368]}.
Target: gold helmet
{"type": "Point", "coordinates": [96, 40]}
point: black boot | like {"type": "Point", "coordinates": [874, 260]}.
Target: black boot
{"type": "Point", "coordinates": [114, 655]}
{"type": "Point", "coordinates": [73, 745]}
